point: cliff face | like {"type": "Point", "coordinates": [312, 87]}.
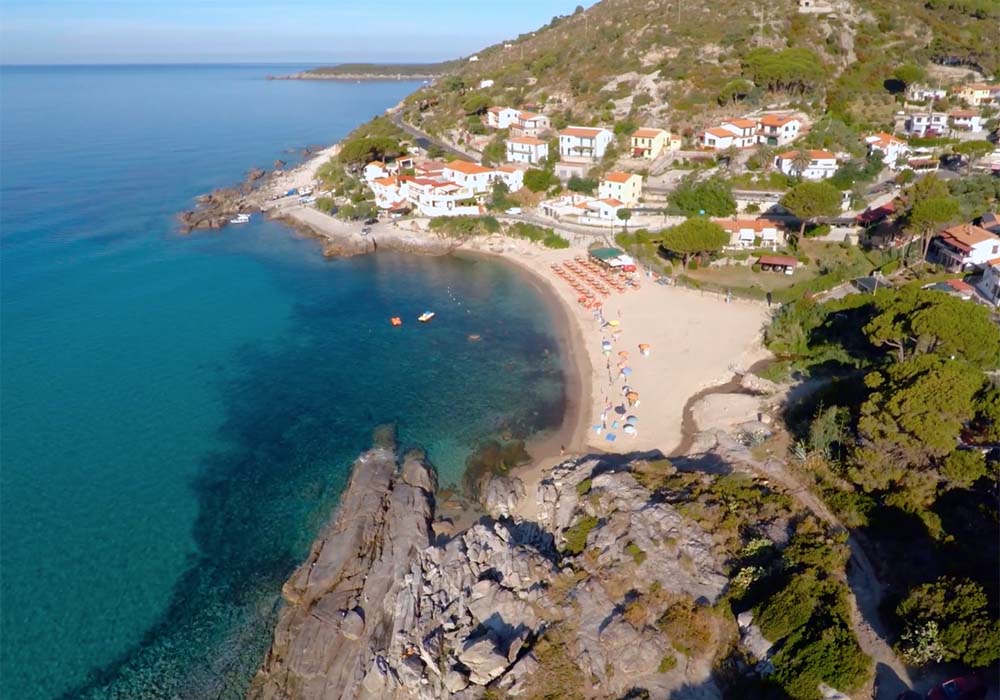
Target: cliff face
{"type": "Point", "coordinates": [382, 610]}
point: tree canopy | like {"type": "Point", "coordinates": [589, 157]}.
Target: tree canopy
{"type": "Point", "coordinates": [808, 200]}
{"type": "Point", "coordinates": [713, 197]}
{"type": "Point", "coordinates": [790, 70]}
{"type": "Point", "coordinates": [693, 237]}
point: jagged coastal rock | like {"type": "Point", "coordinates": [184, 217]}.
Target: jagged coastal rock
{"type": "Point", "coordinates": [385, 608]}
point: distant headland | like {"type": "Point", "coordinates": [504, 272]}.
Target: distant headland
{"type": "Point", "coordinates": [372, 71]}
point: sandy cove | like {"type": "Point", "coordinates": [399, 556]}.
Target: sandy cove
{"type": "Point", "coordinates": [697, 340]}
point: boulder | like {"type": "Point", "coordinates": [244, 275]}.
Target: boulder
{"type": "Point", "coordinates": [483, 659]}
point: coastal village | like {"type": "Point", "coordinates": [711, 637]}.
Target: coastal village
{"type": "Point", "coordinates": [777, 299]}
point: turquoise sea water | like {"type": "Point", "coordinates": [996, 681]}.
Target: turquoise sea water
{"type": "Point", "coordinates": [179, 413]}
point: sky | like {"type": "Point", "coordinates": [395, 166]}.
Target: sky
{"type": "Point", "coordinates": [294, 31]}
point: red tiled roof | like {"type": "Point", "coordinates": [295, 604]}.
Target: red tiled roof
{"type": "Point", "coordinates": [526, 140]}
{"type": "Point", "coordinates": [467, 168]}
{"type": "Point", "coordinates": [580, 131]}
{"type": "Point", "coordinates": [647, 133]}
{"type": "Point", "coordinates": [742, 123]}
{"type": "Point", "coordinates": [963, 113]}
{"type": "Point", "coordinates": [814, 154]}
{"type": "Point", "coordinates": [720, 132]}
{"type": "Point", "coordinates": [784, 260]}
{"type": "Point", "coordinates": [960, 286]}
{"type": "Point", "coordinates": [965, 236]}
{"type": "Point", "coordinates": [777, 119]}
{"type": "Point", "coordinates": [757, 225]}
{"type": "Point", "coordinates": [610, 201]}
{"type": "Point", "coordinates": [618, 177]}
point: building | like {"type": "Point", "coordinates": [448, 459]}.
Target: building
{"type": "Point", "coordinates": [965, 247]}
{"type": "Point", "coordinates": [922, 93]}
{"type": "Point", "coordinates": [374, 170]}
{"type": "Point", "coordinates": [433, 169]}
{"type": "Point", "coordinates": [778, 263]}
{"type": "Point", "coordinates": [477, 178]}
{"type": "Point", "coordinates": [717, 138]}
{"type": "Point", "coordinates": [753, 233]}
{"type": "Point", "coordinates": [778, 129]}
{"type": "Point", "coordinates": [530, 124]}
{"type": "Point", "coordinates": [744, 130]}
{"type": "Point", "coordinates": [821, 165]}
{"type": "Point", "coordinates": [966, 120]}
{"type": "Point", "coordinates": [624, 187]}
{"type": "Point", "coordinates": [526, 149]}
{"type": "Point", "coordinates": [563, 205]}
{"type": "Point", "coordinates": [990, 222]}
{"type": "Point", "coordinates": [600, 211]}
{"type": "Point", "coordinates": [894, 150]}
{"type": "Point", "coordinates": [926, 124]}
{"type": "Point", "coordinates": [977, 94]}
{"type": "Point", "coordinates": [434, 198]}
{"type": "Point", "coordinates": [509, 175]}
{"type": "Point", "coordinates": [483, 84]}
{"type": "Point", "coordinates": [989, 284]}
{"type": "Point", "coordinates": [584, 142]}
{"type": "Point", "coordinates": [648, 143]}
{"type": "Point", "coordinates": [501, 117]}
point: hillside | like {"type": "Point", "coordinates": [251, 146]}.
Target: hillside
{"type": "Point", "coordinates": [681, 63]}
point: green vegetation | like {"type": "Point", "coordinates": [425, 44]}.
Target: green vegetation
{"type": "Point", "coordinates": [808, 200]}
{"type": "Point", "coordinates": [694, 237]}
{"type": "Point", "coordinates": [464, 226]}
{"type": "Point", "coordinates": [546, 236]}
{"type": "Point", "coordinates": [411, 70]}
{"type": "Point", "coordinates": [379, 139]}
{"type": "Point", "coordinates": [667, 663]}
{"type": "Point", "coordinates": [634, 551]}
{"type": "Point", "coordinates": [788, 70]}
{"type": "Point", "coordinates": [693, 198]}
{"type": "Point", "coordinates": [539, 180]}
{"type": "Point", "coordinates": [576, 536]}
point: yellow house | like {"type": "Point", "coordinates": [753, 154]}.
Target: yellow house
{"type": "Point", "coordinates": [625, 187]}
{"type": "Point", "coordinates": [976, 94]}
{"type": "Point", "coordinates": [648, 143]}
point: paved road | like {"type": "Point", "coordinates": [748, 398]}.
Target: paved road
{"type": "Point", "coordinates": [425, 140]}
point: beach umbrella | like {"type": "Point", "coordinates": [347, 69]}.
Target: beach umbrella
{"type": "Point", "coordinates": [610, 437]}
{"type": "Point", "coordinates": [620, 410]}
{"type": "Point", "coordinates": [632, 420]}
{"type": "Point", "coordinates": [632, 395]}
{"type": "Point", "coordinates": [627, 371]}
{"type": "Point", "coordinates": [629, 430]}
{"type": "Point", "coordinates": [614, 322]}
{"type": "Point", "coordinates": [623, 353]}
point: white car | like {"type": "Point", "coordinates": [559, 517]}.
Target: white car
{"type": "Point", "coordinates": [514, 211]}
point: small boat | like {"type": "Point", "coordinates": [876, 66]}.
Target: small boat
{"type": "Point", "coordinates": [240, 219]}
{"type": "Point", "coordinates": [396, 321]}
{"type": "Point", "coordinates": [425, 316]}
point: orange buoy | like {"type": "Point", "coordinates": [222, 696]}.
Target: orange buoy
{"type": "Point", "coordinates": [396, 321]}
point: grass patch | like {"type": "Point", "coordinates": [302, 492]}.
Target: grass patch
{"type": "Point", "coordinates": [634, 551]}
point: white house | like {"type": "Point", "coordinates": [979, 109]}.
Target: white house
{"type": "Point", "coordinates": [989, 285]}
{"type": "Point", "coordinates": [623, 187]}
{"type": "Point", "coordinates": [966, 120]}
{"type": "Point", "coordinates": [894, 150]}
{"type": "Point", "coordinates": [584, 142]}
{"type": "Point", "coordinates": [373, 170]}
{"type": "Point", "coordinates": [965, 247]}
{"type": "Point", "coordinates": [717, 138]}
{"type": "Point", "coordinates": [500, 117]}
{"type": "Point", "coordinates": [434, 198]}
{"type": "Point", "coordinates": [926, 124]}
{"type": "Point", "coordinates": [530, 124]}
{"type": "Point", "coordinates": [600, 211]}
{"type": "Point", "coordinates": [822, 165]}
{"type": "Point", "coordinates": [526, 149]}
{"type": "Point", "coordinates": [778, 129]}
{"type": "Point", "coordinates": [753, 233]}
{"type": "Point", "coordinates": [922, 93]}
{"type": "Point", "coordinates": [389, 191]}
{"type": "Point", "coordinates": [475, 177]}
{"type": "Point", "coordinates": [977, 94]}
{"type": "Point", "coordinates": [563, 205]}
{"type": "Point", "coordinates": [485, 84]}
{"type": "Point", "coordinates": [510, 176]}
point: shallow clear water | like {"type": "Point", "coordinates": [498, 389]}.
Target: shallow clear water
{"type": "Point", "coordinates": [179, 414]}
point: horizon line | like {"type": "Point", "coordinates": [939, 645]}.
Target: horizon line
{"type": "Point", "coordinates": [216, 63]}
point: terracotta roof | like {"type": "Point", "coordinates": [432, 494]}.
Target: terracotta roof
{"type": "Point", "coordinates": [883, 139]}
{"type": "Point", "coordinates": [977, 86]}
{"type": "Point", "coordinates": [610, 201]}
{"type": "Point", "coordinates": [385, 181]}
{"type": "Point", "coordinates": [757, 225]}
{"type": "Point", "coordinates": [526, 140]}
{"type": "Point", "coordinates": [814, 154]}
{"type": "Point", "coordinates": [496, 110]}
{"type": "Point", "coordinates": [719, 131]}
{"type": "Point", "coordinates": [618, 177]}
{"type": "Point", "coordinates": [509, 169]}
{"type": "Point", "coordinates": [581, 131]}
{"type": "Point", "coordinates": [960, 286]}
{"type": "Point", "coordinates": [784, 260]}
{"type": "Point", "coordinates": [742, 123]}
{"type": "Point", "coordinates": [777, 119]}
{"type": "Point", "coordinates": [529, 116]}
{"type": "Point", "coordinates": [965, 236]}
{"type": "Point", "coordinates": [995, 262]}
{"type": "Point", "coordinates": [963, 113]}
{"type": "Point", "coordinates": [467, 168]}
{"type": "Point", "coordinates": [647, 133]}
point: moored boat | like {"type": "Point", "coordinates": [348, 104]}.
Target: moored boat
{"type": "Point", "coordinates": [240, 219]}
{"type": "Point", "coordinates": [426, 316]}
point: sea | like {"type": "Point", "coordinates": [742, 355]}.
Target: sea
{"type": "Point", "coordinates": [178, 414]}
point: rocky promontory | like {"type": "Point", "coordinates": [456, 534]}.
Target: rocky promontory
{"type": "Point", "coordinates": [597, 595]}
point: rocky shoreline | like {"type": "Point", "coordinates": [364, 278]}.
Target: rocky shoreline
{"type": "Point", "coordinates": [391, 604]}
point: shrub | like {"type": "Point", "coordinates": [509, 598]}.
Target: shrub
{"type": "Point", "coordinates": [667, 663]}
{"type": "Point", "coordinates": [326, 205]}
{"type": "Point", "coordinates": [890, 267]}
{"type": "Point", "coordinates": [583, 488]}
{"type": "Point", "coordinates": [576, 536]}
{"type": "Point", "coordinates": [755, 267]}
{"type": "Point", "coordinates": [688, 625]}
{"type": "Point", "coordinates": [789, 608]}
{"type": "Point", "coordinates": [693, 265]}
{"type": "Point", "coordinates": [634, 551]}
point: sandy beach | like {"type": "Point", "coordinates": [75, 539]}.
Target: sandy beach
{"type": "Point", "coordinates": [696, 339]}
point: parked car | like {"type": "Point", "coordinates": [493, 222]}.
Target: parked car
{"type": "Point", "coordinates": [514, 211]}
{"type": "Point", "coordinates": [969, 687]}
{"type": "Point", "coordinates": [371, 220]}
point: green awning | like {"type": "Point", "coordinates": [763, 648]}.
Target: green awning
{"type": "Point", "coordinates": [605, 254]}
